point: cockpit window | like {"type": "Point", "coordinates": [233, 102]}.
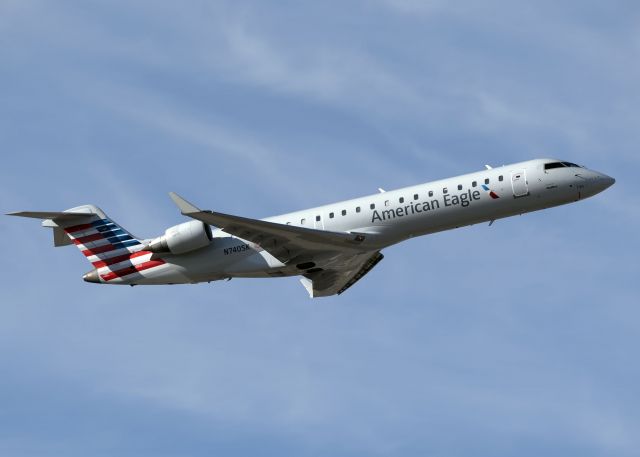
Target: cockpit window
{"type": "Point", "coordinates": [552, 165]}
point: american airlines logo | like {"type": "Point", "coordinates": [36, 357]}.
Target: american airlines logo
{"type": "Point", "coordinates": [463, 200]}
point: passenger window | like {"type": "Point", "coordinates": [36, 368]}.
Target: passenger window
{"type": "Point", "coordinates": [317, 218]}
{"type": "Point", "coordinates": [331, 215]}
{"type": "Point", "coordinates": [372, 206]}
{"type": "Point", "coordinates": [430, 193]}
{"type": "Point", "coordinates": [303, 221]}
{"type": "Point", "coordinates": [344, 212]}
{"type": "Point", "coordinates": [357, 209]}
{"type": "Point", "coordinates": [444, 191]}
{"type": "Point", "coordinates": [401, 199]}
{"type": "Point", "coordinates": [415, 196]}
{"type": "Point", "coordinates": [459, 186]}
{"type": "Point", "coordinates": [474, 184]}
{"type": "Point", "coordinates": [486, 181]}
{"type": "Point", "coordinates": [500, 178]}
{"type": "Point", "coordinates": [386, 203]}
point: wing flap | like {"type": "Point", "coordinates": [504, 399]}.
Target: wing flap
{"type": "Point", "coordinates": [336, 281]}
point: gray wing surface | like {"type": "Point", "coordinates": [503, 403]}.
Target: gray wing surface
{"type": "Point", "coordinates": [287, 243]}
{"type": "Point", "coordinates": [347, 260]}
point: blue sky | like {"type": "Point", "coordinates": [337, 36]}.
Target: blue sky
{"type": "Point", "coordinates": [515, 339]}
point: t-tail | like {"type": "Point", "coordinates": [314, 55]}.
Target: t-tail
{"type": "Point", "coordinates": [116, 255]}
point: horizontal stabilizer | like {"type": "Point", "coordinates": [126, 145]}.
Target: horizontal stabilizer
{"type": "Point", "coordinates": [87, 227]}
{"type": "Point", "coordinates": [53, 215]}
{"type": "Point", "coordinates": [56, 220]}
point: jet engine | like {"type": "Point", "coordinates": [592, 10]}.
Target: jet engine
{"type": "Point", "coordinates": [182, 238]}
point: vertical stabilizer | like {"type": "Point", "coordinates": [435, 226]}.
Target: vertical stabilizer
{"type": "Point", "coordinates": [114, 253]}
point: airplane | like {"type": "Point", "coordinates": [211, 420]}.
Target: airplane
{"type": "Point", "coordinates": [331, 247]}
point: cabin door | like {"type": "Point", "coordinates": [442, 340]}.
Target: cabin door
{"type": "Point", "coordinates": [519, 183]}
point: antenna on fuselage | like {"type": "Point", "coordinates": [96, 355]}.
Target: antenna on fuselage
{"type": "Point", "coordinates": [488, 167]}
{"type": "Point", "coordinates": [381, 190]}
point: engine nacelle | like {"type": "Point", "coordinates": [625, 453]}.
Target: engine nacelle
{"type": "Point", "coordinates": [182, 238]}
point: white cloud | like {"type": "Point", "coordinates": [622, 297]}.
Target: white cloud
{"type": "Point", "coordinates": [346, 77]}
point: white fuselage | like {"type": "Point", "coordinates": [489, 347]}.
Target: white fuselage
{"type": "Point", "coordinates": [390, 217]}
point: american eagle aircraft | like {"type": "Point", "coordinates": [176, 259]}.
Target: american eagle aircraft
{"type": "Point", "coordinates": [331, 247]}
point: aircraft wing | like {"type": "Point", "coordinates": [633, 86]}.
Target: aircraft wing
{"type": "Point", "coordinates": [337, 280]}
{"type": "Point", "coordinates": [286, 243]}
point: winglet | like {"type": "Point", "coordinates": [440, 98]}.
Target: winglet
{"type": "Point", "coordinates": [184, 206]}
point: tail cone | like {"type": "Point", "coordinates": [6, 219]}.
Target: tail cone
{"type": "Point", "coordinates": [92, 276]}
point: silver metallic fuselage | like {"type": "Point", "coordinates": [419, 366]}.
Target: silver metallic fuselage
{"type": "Point", "coordinates": [397, 215]}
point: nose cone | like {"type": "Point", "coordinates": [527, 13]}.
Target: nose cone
{"type": "Point", "coordinates": [607, 181]}
{"type": "Point", "coordinates": [596, 182]}
{"type": "Point", "coordinates": [602, 182]}
{"type": "Point", "coordinates": [92, 276]}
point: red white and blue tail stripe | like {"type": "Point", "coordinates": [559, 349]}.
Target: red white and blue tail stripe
{"type": "Point", "coordinates": [115, 253]}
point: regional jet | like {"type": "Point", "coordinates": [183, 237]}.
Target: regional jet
{"type": "Point", "coordinates": [331, 247]}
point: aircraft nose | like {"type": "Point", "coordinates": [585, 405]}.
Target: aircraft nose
{"type": "Point", "coordinates": [607, 181]}
{"type": "Point", "coordinates": [599, 182]}
{"type": "Point", "coordinates": [602, 181]}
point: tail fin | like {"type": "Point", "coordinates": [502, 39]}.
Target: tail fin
{"type": "Point", "coordinates": [118, 257]}
{"type": "Point", "coordinates": [99, 238]}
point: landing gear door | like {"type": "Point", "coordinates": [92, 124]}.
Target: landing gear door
{"type": "Point", "coordinates": [519, 183]}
